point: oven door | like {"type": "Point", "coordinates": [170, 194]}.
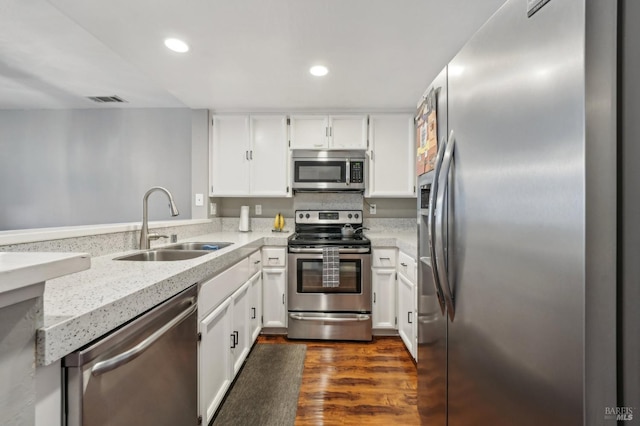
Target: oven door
{"type": "Point", "coordinates": [306, 292]}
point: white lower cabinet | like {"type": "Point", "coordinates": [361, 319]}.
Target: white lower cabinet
{"type": "Point", "coordinates": [240, 330]}
{"type": "Point", "coordinates": [255, 305]}
{"type": "Point", "coordinates": [274, 287]}
{"type": "Point", "coordinates": [407, 303]}
{"type": "Point", "coordinates": [406, 313]}
{"type": "Point", "coordinates": [274, 302]}
{"type": "Point", "coordinates": [383, 286]}
{"type": "Point", "coordinates": [214, 359]}
{"type": "Point", "coordinates": [228, 305]}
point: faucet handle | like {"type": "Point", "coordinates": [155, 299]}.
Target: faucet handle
{"type": "Point", "coordinates": [155, 236]}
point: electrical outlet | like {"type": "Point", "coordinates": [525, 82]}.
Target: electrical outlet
{"type": "Point", "coordinates": [213, 209]}
{"type": "Point", "coordinates": [258, 209]}
{"type": "Point", "coordinates": [372, 208]}
{"type": "Point", "coordinates": [199, 200]}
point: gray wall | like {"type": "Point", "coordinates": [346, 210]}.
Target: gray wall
{"type": "Point", "coordinates": [83, 167]}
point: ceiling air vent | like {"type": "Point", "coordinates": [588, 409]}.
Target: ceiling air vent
{"type": "Point", "coordinates": [106, 99]}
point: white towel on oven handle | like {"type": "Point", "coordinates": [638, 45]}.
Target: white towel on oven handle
{"type": "Point", "coordinates": [330, 267]}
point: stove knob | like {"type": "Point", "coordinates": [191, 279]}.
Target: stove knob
{"type": "Point", "coordinates": [357, 215]}
{"type": "Point", "coordinates": [307, 216]}
{"type": "Point", "coordinates": [301, 215]}
{"type": "Point", "coordinates": [349, 215]}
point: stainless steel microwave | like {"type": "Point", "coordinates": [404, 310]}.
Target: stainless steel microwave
{"type": "Point", "coordinates": [328, 170]}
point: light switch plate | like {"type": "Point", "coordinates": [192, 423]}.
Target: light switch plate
{"type": "Point", "coordinates": [258, 209]}
{"type": "Point", "coordinates": [372, 209]}
{"type": "Point", "coordinates": [213, 209]}
{"type": "Point", "coordinates": [199, 200]}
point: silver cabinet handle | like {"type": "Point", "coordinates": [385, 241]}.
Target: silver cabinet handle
{"type": "Point", "coordinates": [283, 299]}
{"type": "Point", "coordinates": [409, 314]}
{"type": "Point", "coordinates": [131, 354]}
{"type": "Point", "coordinates": [441, 224]}
{"type": "Point", "coordinates": [431, 224]}
{"type": "Point", "coordinates": [246, 155]}
{"type": "Point", "coordinates": [403, 264]}
{"type": "Point", "coordinates": [253, 313]}
{"type": "Point", "coordinates": [256, 262]}
{"type": "Point", "coordinates": [374, 297]}
{"type": "Point", "coordinates": [358, 317]}
{"type": "Point", "coordinates": [251, 155]}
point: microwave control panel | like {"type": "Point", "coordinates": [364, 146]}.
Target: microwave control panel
{"type": "Point", "coordinates": [357, 172]}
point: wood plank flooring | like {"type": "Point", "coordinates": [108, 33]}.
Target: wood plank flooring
{"type": "Point", "coordinates": [356, 383]}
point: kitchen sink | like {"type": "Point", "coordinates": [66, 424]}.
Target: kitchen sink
{"type": "Point", "coordinates": [163, 255]}
{"type": "Point", "coordinates": [198, 246]}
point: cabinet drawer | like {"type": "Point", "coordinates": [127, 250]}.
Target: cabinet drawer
{"type": "Point", "coordinates": [407, 266]}
{"type": "Point", "coordinates": [255, 262]}
{"type": "Point", "coordinates": [274, 256]}
{"type": "Point", "coordinates": [383, 258]}
{"type": "Point", "coordinates": [217, 289]}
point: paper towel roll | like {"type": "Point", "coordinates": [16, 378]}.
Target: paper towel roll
{"type": "Point", "coordinates": [244, 219]}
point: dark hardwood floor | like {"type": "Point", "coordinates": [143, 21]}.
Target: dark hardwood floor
{"type": "Point", "coordinates": [353, 383]}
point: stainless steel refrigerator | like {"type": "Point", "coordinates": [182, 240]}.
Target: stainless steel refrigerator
{"type": "Point", "coordinates": [518, 247]}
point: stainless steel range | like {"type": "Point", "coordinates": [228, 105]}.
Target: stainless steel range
{"type": "Point", "coordinates": [329, 282]}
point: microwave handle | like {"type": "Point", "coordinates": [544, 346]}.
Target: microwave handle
{"type": "Point", "coordinates": [348, 173]}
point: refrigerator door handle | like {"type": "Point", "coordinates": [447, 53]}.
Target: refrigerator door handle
{"type": "Point", "coordinates": [440, 225]}
{"type": "Point", "coordinates": [431, 225]}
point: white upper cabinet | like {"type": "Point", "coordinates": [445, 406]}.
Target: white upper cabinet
{"type": "Point", "coordinates": [269, 156]}
{"type": "Point", "coordinates": [249, 156]}
{"type": "Point", "coordinates": [328, 132]}
{"type": "Point", "coordinates": [229, 156]}
{"type": "Point", "coordinates": [309, 131]}
{"type": "Point", "coordinates": [392, 158]}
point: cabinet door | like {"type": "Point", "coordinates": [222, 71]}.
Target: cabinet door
{"type": "Point", "coordinates": [392, 156]}
{"type": "Point", "coordinates": [214, 359]}
{"type": "Point", "coordinates": [255, 306]}
{"type": "Point", "coordinates": [348, 131]}
{"type": "Point", "coordinates": [383, 283]}
{"type": "Point", "coordinates": [240, 327]}
{"type": "Point", "coordinates": [309, 131]}
{"type": "Point", "coordinates": [406, 313]}
{"type": "Point", "coordinates": [229, 161]}
{"type": "Point", "coordinates": [269, 156]}
{"type": "Point", "coordinates": [274, 304]}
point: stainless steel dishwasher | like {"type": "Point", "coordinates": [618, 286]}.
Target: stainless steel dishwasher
{"type": "Point", "coordinates": [144, 373]}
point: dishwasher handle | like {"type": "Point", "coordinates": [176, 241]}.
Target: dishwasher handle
{"type": "Point", "coordinates": [131, 354]}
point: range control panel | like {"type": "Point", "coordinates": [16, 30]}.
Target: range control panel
{"type": "Point", "coordinates": [329, 217]}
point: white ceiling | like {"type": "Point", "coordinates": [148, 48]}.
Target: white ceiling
{"type": "Point", "coordinates": [245, 54]}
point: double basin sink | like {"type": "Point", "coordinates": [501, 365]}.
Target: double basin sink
{"type": "Point", "coordinates": [180, 251]}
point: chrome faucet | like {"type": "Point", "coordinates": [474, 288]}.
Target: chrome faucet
{"type": "Point", "coordinates": [145, 236]}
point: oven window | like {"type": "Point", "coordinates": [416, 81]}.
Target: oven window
{"type": "Point", "coordinates": [310, 277]}
{"type": "Point", "coordinates": [320, 171]}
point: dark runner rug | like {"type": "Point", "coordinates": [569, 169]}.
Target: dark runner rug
{"type": "Point", "coordinates": [267, 388]}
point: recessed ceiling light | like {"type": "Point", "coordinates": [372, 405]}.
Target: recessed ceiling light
{"type": "Point", "coordinates": [176, 45]}
{"type": "Point", "coordinates": [318, 70]}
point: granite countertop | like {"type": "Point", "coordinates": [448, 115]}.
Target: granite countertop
{"type": "Point", "coordinates": [406, 241]}
{"type": "Point", "coordinates": [19, 272]}
{"type": "Point", "coordinates": [84, 306]}
{"type": "Point", "coordinates": [81, 307]}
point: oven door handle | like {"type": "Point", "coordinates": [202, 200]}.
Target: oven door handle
{"type": "Point", "coordinates": [357, 317]}
{"type": "Point", "coordinates": [319, 250]}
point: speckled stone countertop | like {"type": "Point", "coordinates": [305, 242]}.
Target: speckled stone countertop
{"type": "Point", "coordinates": [406, 241]}
{"type": "Point", "coordinates": [81, 307]}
